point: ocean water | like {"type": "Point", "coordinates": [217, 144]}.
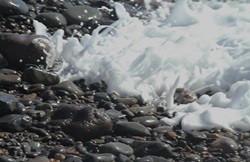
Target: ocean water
{"type": "Point", "coordinates": [201, 46]}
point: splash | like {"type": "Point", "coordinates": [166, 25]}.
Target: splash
{"type": "Point", "coordinates": [196, 46]}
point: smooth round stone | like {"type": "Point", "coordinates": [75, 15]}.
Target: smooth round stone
{"type": "Point", "coordinates": [143, 110]}
{"type": "Point", "coordinates": [147, 121]}
{"type": "Point", "coordinates": [130, 128]}
{"type": "Point", "coordinates": [8, 103]}
{"type": "Point", "coordinates": [35, 75]}
{"type": "Point", "coordinates": [126, 101]}
{"type": "Point", "coordinates": [228, 145]}
{"type": "Point", "coordinates": [20, 50]}
{"type": "Point", "coordinates": [56, 150]}
{"type": "Point", "coordinates": [105, 157]}
{"type": "Point", "coordinates": [196, 136]}
{"type": "Point", "coordinates": [151, 158]}
{"type": "Point", "coordinates": [9, 79]}
{"type": "Point", "coordinates": [101, 96]}
{"type": "Point", "coordinates": [193, 158]}
{"type": "Point", "coordinates": [79, 14]}
{"type": "Point", "coordinates": [73, 159]}
{"type": "Point", "coordinates": [39, 159]}
{"type": "Point", "coordinates": [157, 148]}
{"type": "Point", "coordinates": [116, 148]}
{"type": "Point", "coordinates": [15, 122]}
{"type": "Point", "coordinates": [69, 87]}
{"type": "Point", "coordinates": [114, 114]}
{"type": "Point", "coordinates": [13, 7]}
{"type": "Point", "coordinates": [8, 71]}
{"type": "Point", "coordinates": [52, 19]}
{"type": "Point", "coordinates": [163, 129]}
{"type": "Point", "coordinates": [6, 159]}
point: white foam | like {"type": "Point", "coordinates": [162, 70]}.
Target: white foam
{"type": "Point", "coordinates": [198, 46]}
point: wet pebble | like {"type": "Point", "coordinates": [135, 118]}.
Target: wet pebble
{"type": "Point", "coordinates": [21, 49]}
{"type": "Point", "coordinates": [143, 110]}
{"type": "Point", "coordinates": [15, 122]}
{"type": "Point", "coordinates": [52, 19]}
{"type": "Point", "coordinates": [184, 96]}
{"type": "Point", "coordinates": [104, 157]}
{"type": "Point", "coordinates": [151, 158]}
{"type": "Point", "coordinates": [147, 121]}
{"type": "Point", "coordinates": [13, 7]}
{"type": "Point", "coordinates": [130, 128]}
{"type": "Point", "coordinates": [8, 80]}
{"type": "Point", "coordinates": [116, 148]}
{"type": "Point", "coordinates": [226, 144]}
{"type": "Point", "coordinates": [8, 103]}
{"type": "Point", "coordinates": [81, 14]}
{"type": "Point", "coordinates": [69, 87]}
{"type": "Point", "coordinates": [40, 76]}
{"type": "Point", "coordinates": [86, 122]}
{"type": "Point", "coordinates": [157, 148]}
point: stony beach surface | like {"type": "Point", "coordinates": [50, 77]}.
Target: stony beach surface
{"type": "Point", "coordinates": [43, 119]}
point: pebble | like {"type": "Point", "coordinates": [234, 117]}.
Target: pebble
{"type": "Point", "coordinates": [69, 87]}
{"type": "Point", "coordinates": [8, 103]}
{"type": "Point", "coordinates": [143, 148]}
{"type": "Point", "coordinates": [147, 121]}
{"type": "Point", "coordinates": [13, 7]}
{"type": "Point", "coordinates": [151, 158]}
{"type": "Point", "coordinates": [39, 159]}
{"type": "Point", "coordinates": [130, 128]}
{"type": "Point", "coordinates": [86, 122]}
{"type": "Point", "coordinates": [52, 19]}
{"type": "Point", "coordinates": [40, 76]}
{"type": "Point", "coordinates": [126, 101]}
{"type": "Point", "coordinates": [9, 80]}
{"type": "Point", "coordinates": [184, 96]}
{"type": "Point", "coordinates": [104, 157]}
{"type": "Point", "coordinates": [116, 148]}
{"type": "Point", "coordinates": [228, 145]}
{"type": "Point", "coordinates": [24, 49]}
{"type": "Point", "coordinates": [143, 110]}
{"type": "Point", "coordinates": [15, 122]}
{"type": "Point", "coordinates": [81, 14]}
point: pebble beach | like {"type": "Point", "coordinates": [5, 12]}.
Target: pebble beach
{"type": "Point", "coordinates": [45, 119]}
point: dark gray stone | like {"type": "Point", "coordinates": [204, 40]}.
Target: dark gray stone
{"type": "Point", "coordinates": [35, 75]}
{"type": "Point", "coordinates": [157, 148]}
{"type": "Point", "coordinates": [39, 159]}
{"type": "Point", "coordinates": [8, 103]}
{"type": "Point", "coordinates": [6, 159]}
{"type": "Point", "coordinates": [147, 121]}
{"type": "Point", "coordinates": [105, 157]}
{"type": "Point", "coordinates": [126, 101]}
{"type": "Point", "coordinates": [13, 7]}
{"type": "Point", "coordinates": [52, 19]}
{"type": "Point", "coordinates": [130, 128]}
{"type": "Point", "coordinates": [69, 87]}
{"type": "Point", "coordinates": [151, 158]}
{"type": "Point", "coordinates": [228, 145]}
{"type": "Point", "coordinates": [116, 148]}
{"type": "Point", "coordinates": [82, 122]}
{"type": "Point", "coordinates": [79, 14]}
{"type": "Point", "coordinates": [19, 49]}
{"type": "Point", "coordinates": [15, 122]}
{"type": "Point", "coordinates": [184, 96]}
{"type": "Point", "coordinates": [101, 96]}
{"type": "Point", "coordinates": [9, 80]}
{"type": "Point", "coordinates": [143, 110]}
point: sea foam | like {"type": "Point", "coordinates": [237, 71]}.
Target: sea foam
{"type": "Point", "coordinates": [200, 46]}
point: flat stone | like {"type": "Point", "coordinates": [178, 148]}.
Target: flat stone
{"type": "Point", "coordinates": [116, 148]}
{"type": "Point", "coordinates": [40, 76]}
{"type": "Point", "coordinates": [81, 14]}
{"type": "Point", "coordinates": [39, 159]}
{"type": "Point", "coordinates": [130, 128]}
{"type": "Point", "coordinates": [9, 80]}
{"type": "Point", "coordinates": [157, 148]}
{"type": "Point", "coordinates": [126, 101]}
{"type": "Point", "coordinates": [52, 19]}
{"type": "Point", "coordinates": [69, 87]}
{"type": "Point", "coordinates": [82, 122]}
{"type": "Point", "coordinates": [15, 122]}
{"type": "Point", "coordinates": [20, 49]}
{"type": "Point", "coordinates": [13, 7]}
